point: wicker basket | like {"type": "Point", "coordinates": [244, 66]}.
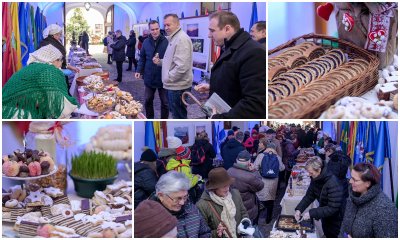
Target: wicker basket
{"type": "Point", "coordinates": [355, 87]}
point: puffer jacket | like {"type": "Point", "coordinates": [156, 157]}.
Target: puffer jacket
{"type": "Point", "coordinates": [248, 183]}
{"type": "Point", "coordinates": [327, 190]}
{"type": "Point", "coordinates": [145, 182]}
{"type": "Point", "coordinates": [230, 152]}
{"type": "Point", "coordinates": [182, 166]}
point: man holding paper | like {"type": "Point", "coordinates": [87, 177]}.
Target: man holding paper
{"type": "Point", "coordinates": [238, 75]}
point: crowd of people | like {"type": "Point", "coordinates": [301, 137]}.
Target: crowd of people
{"type": "Point", "coordinates": [207, 200]}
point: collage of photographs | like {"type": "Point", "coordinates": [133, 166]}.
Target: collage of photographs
{"type": "Point", "coordinates": [266, 119]}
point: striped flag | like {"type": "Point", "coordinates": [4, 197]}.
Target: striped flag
{"type": "Point", "coordinates": [9, 55]}
{"type": "Point", "coordinates": [149, 137]}
{"type": "Point", "coordinates": [382, 150]}
{"type": "Point", "coordinates": [158, 135]}
{"type": "Point", "coordinates": [361, 143]}
{"type": "Point", "coordinates": [23, 32]}
{"type": "Point", "coordinates": [344, 136]}
{"type": "Point", "coordinates": [15, 37]}
{"type": "Point", "coordinates": [254, 15]}
{"type": "Point", "coordinates": [218, 135]}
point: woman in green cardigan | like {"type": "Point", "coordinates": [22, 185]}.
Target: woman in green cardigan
{"type": "Point", "coordinates": [39, 90]}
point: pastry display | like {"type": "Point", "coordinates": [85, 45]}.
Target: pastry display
{"type": "Point", "coordinates": [101, 103]}
{"type": "Point", "coordinates": [132, 108]}
{"type": "Point", "coordinates": [112, 115]}
{"type": "Point", "coordinates": [30, 163]}
{"type": "Point", "coordinates": [288, 223]}
{"type": "Point", "coordinates": [113, 140]}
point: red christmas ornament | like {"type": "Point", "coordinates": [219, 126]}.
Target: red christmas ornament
{"type": "Point", "coordinates": [325, 10]}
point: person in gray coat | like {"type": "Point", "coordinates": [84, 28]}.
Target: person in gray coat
{"type": "Point", "coordinates": [369, 212]}
{"type": "Point", "coordinates": [119, 52]}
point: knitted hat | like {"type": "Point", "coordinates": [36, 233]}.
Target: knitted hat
{"type": "Point", "coordinates": [173, 142]}
{"type": "Point", "coordinates": [51, 30]}
{"type": "Point", "coordinates": [148, 156]}
{"type": "Point", "coordinates": [243, 156]}
{"type": "Point", "coordinates": [47, 54]}
{"type": "Point", "coordinates": [182, 152]}
{"type": "Point", "coordinates": [217, 178]}
{"type": "Point", "coordinates": [152, 220]}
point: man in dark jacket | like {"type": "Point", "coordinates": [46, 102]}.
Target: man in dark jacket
{"type": "Point", "coordinates": [119, 52]}
{"type": "Point", "coordinates": [231, 150]}
{"type": "Point", "coordinates": [248, 182]}
{"type": "Point", "coordinates": [258, 33]}
{"type": "Point", "coordinates": [130, 50]}
{"type": "Point", "coordinates": [327, 190]}
{"type": "Point", "coordinates": [155, 44]}
{"type": "Point", "coordinates": [145, 176]}
{"type": "Point", "coordinates": [238, 75]}
{"type": "Point", "coordinates": [229, 136]}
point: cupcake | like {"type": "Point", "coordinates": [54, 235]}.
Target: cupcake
{"type": "Point", "coordinates": [11, 168]}
{"type": "Point", "coordinates": [34, 169]}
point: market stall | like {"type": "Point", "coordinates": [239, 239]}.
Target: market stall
{"type": "Point", "coordinates": [351, 76]}
{"type": "Point", "coordinates": [286, 226]}
{"type": "Point", "coordinates": [99, 97]}
{"type": "Point", "coordinates": [89, 195]}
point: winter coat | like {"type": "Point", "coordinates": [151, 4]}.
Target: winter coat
{"type": "Point", "coordinates": [327, 190]}
{"type": "Point", "coordinates": [206, 167]}
{"type": "Point", "coordinates": [191, 223]}
{"type": "Point", "coordinates": [145, 182]}
{"type": "Point", "coordinates": [130, 46]}
{"type": "Point", "coordinates": [270, 184]}
{"type": "Point", "coordinates": [183, 166]}
{"type": "Point", "coordinates": [177, 63]}
{"type": "Point", "coordinates": [209, 216]}
{"type": "Point", "coordinates": [151, 72]}
{"type": "Point", "coordinates": [230, 152]}
{"type": "Point", "coordinates": [289, 154]}
{"type": "Point", "coordinates": [57, 44]}
{"type": "Point", "coordinates": [338, 165]}
{"type": "Point", "coordinates": [309, 139]}
{"type": "Point", "coordinates": [119, 49]}
{"type": "Point", "coordinates": [85, 41]}
{"type": "Point", "coordinates": [248, 183]}
{"type": "Point", "coordinates": [278, 147]}
{"type": "Point", "coordinates": [238, 77]}
{"type": "Point", "coordinates": [371, 215]}
{"type": "Point", "coordinates": [109, 42]}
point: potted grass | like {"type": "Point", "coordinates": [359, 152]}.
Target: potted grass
{"type": "Point", "coordinates": [92, 171]}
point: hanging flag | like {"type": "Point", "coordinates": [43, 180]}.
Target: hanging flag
{"type": "Point", "coordinates": [344, 136]}
{"type": "Point", "coordinates": [382, 149]}
{"type": "Point", "coordinates": [33, 25]}
{"type": "Point", "coordinates": [15, 37]}
{"type": "Point", "coordinates": [9, 55]}
{"type": "Point", "coordinates": [214, 137]}
{"type": "Point", "coordinates": [31, 47]}
{"type": "Point", "coordinates": [197, 13]}
{"type": "Point", "coordinates": [219, 135]}
{"type": "Point", "coordinates": [149, 137]}
{"type": "Point", "coordinates": [158, 19]}
{"type": "Point", "coordinates": [23, 32]}
{"type": "Point", "coordinates": [352, 140]}
{"type": "Point", "coordinates": [361, 143]}
{"type": "Point", "coordinates": [158, 135]}
{"type": "Point", "coordinates": [371, 142]}
{"type": "Point", "coordinates": [39, 31]}
{"type": "Point", "coordinates": [182, 15]}
{"type": "Point", "coordinates": [254, 15]}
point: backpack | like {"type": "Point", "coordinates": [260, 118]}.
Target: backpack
{"type": "Point", "coordinates": [269, 166]}
{"type": "Point", "coordinates": [197, 155]}
{"type": "Point", "coordinates": [105, 41]}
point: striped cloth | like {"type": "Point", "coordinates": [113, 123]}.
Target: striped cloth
{"type": "Point", "coordinates": [191, 223]}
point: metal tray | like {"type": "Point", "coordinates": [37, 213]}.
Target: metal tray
{"type": "Point", "coordinates": [306, 225]}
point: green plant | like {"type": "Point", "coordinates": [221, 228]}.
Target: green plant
{"type": "Point", "coordinates": [92, 165]}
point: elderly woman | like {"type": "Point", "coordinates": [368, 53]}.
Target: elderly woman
{"type": "Point", "coordinates": [152, 220]}
{"type": "Point", "coordinates": [221, 206]}
{"type": "Point", "coordinates": [369, 212]}
{"type": "Point", "coordinates": [172, 192]}
{"type": "Point", "coordinates": [268, 194]}
{"type": "Point", "coordinates": [38, 90]}
{"type": "Point", "coordinates": [52, 36]}
{"type": "Point", "coordinates": [325, 188]}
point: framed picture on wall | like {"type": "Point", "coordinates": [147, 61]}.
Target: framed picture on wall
{"type": "Point", "coordinates": [182, 133]}
{"type": "Point", "coordinates": [192, 30]}
{"type": "Point", "coordinates": [199, 128]}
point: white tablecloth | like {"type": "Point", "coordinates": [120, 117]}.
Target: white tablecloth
{"type": "Point", "coordinates": [83, 72]}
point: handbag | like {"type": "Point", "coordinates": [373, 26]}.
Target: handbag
{"type": "Point", "coordinates": [219, 219]}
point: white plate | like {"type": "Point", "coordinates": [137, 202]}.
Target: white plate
{"type": "Point", "coordinates": [32, 178]}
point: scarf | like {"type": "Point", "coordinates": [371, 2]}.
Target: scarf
{"type": "Point", "coordinates": [228, 211]}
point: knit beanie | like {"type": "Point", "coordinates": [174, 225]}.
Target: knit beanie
{"type": "Point", "coordinates": [173, 142]}
{"type": "Point", "coordinates": [152, 220]}
{"type": "Point", "coordinates": [47, 54]}
{"type": "Point", "coordinates": [148, 156]}
{"type": "Point", "coordinates": [182, 152]}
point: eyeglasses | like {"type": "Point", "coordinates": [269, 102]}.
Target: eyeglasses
{"type": "Point", "coordinates": [179, 199]}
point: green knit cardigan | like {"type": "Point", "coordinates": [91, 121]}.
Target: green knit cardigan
{"type": "Point", "coordinates": [36, 91]}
